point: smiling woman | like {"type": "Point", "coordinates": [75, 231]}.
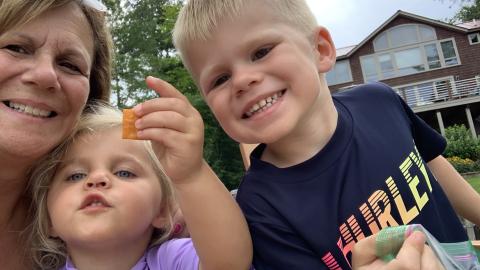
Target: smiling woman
{"type": "Point", "coordinates": [46, 79]}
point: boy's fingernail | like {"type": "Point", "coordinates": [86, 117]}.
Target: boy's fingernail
{"type": "Point", "coordinates": [137, 108]}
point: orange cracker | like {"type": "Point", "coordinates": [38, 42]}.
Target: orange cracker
{"type": "Point", "coordinates": [129, 131]}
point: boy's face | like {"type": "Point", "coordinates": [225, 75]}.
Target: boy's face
{"type": "Point", "coordinates": [259, 76]}
{"type": "Point", "coordinates": [105, 193]}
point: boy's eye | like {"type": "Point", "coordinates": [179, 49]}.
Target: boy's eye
{"type": "Point", "coordinates": [220, 80]}
{"type": "Point", "coordinates": [260, 53]}
{"type": "Point", "coordinates": [16, 49]}
{"type": "Point", "coordinates": [76, 176]}
{"type": "Point", "coordinates": [125, 174]}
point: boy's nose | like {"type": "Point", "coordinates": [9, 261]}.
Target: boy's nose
{"type": "Point", "coordinates": [42, 74]}
{"type": "Point", "coordinates": [246, 78]}
{"type": "Point", "coordinates": [97, 181]}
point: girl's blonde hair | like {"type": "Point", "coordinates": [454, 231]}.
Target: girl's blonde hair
{"type": "Point", "coordinates": [15, 13]}
{"type": "Point", "coordinates": [49, 252]}
{"type": "Point", "coordinates": [198, 19]}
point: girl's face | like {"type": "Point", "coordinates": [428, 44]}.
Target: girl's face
{"type": "Point", "coordinates": [105, 194]}
{"type": "Point", "coordinates": [44, 81]}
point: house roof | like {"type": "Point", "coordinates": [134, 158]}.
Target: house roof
{"type": "Point", "coordinates": [471, 25]}
{"type": "Point", "coordinates": [467, 27]}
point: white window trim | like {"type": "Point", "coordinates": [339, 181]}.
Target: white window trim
{"type": "Point", "coordinates": [470, 40]}
{"type": "Point", "coordinates": [421, 46]}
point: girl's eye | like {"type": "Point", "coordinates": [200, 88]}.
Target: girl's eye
{"type": "Point", "coordinates": [262, 52]}
{"type": "Point", "coordinates": [220, 80]}
{"type": "Point", "coordinates": [125, 174]}
{"type": "Point", "coordinates": [16, 49]}
{"type": "Point", "coordinates": [76, 177]}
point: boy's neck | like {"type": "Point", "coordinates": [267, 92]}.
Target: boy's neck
{"type": "Point", "coordinates": [310, 136]}
{"type": "Point", "coordinates": [120, 257]}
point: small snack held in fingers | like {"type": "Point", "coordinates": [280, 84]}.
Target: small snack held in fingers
{"type": "Point", "coordinates": [129, 131]}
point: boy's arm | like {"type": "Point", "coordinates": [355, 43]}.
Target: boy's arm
{"type": "Point", "coordinates": [215, 222]}
{"type": "Point", "coordinates": [462, 196]}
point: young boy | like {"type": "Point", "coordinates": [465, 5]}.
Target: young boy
{"type": "Point", "coordinates": [329, 170]}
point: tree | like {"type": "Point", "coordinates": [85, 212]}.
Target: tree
{"type": "Point", "coordinates": [143, 46]}
{"type": "Point", "coordinates": [469, 12]}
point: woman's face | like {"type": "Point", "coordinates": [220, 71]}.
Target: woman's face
{"type": "Point", "coordinates": [44, 81]}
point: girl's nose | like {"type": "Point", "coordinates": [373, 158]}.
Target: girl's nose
{"type": "Point", "coordinates": [97, 181]}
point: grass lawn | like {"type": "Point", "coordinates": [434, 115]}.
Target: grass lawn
{"type": "Point", "coordinates": [475, 182]}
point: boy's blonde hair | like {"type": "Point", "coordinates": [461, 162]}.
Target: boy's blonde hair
{"type": "Point", "coordinates": [49, 252]}
{"type": "Point", "coordinates": [198, 19]}
{"type": "Point", "coordinates": [15, 13]}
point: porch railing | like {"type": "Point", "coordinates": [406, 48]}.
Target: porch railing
{"type": "Point", "coordinates": [439, 91]}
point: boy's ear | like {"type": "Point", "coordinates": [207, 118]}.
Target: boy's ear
{"type": "Point", "coordinates": [325, 52]}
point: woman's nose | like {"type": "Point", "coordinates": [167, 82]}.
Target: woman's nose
{"type": "Point", "coordinates": [42, 73]}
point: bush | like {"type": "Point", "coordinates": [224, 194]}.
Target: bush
{"type": "Point", "coordinates": [461, 144]}
{"type": "Point", "coordinates": [464, 165]}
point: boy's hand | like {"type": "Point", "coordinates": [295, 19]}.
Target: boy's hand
{"type": "Point", "coordinates": [175, 128]}
{"type": "Point", "coordinates": [414, 255]}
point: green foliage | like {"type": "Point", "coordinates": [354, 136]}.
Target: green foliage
{"type": "Point", "coordinates": [143, 46]}
{"type": "Point", "coordinates": [461, 143]}
{"type": "Point", "coordinates": [469, 12]}
{"type": "Point", "coordinates": [464, 165]}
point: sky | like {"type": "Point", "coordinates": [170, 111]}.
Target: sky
{"type": "Point", "coordinates": [351, 21]}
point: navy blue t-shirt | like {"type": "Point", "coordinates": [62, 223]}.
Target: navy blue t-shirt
{"type": "Point", "coordinates": [370, 175]}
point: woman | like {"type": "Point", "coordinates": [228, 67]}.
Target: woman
{"type": "Point", "coordinates": [55, 57]}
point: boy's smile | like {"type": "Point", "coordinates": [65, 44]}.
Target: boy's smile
{"type": "Point", "coordinates": [261, 77]}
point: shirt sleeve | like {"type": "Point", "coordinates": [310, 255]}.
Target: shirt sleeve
{"type": "Point", "coordinates": [174, 254]}
{"type": "Point", "coordinates": [429, 142]}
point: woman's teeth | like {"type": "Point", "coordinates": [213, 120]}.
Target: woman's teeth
{"type": "Point", "coordinates": [26, 109]}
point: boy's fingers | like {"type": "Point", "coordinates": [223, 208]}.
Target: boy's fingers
{"type": "Point", "coordinates": [411, 253]}
{"type": "Point", "coordinates": [364, 252]}
{"type": "Point", "coordinates": [163, 88]}
{"type": "Point", "coordinates": [430, 260]}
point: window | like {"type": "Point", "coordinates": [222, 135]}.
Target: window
{"type": "Point", "coordinates": [449, 53]}
{"type": "Point", "coordinates": [403, 35]}
{"type": "Point", "coordinates": [406, 60]}
{"type": "Point", "coordinates": [340, 73]}
{"type": "Point", "coordinates": [474, 38]}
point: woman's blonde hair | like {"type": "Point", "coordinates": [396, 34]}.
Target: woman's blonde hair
{"type": "Point", "coordinates": [15, 13]}
{"type": "Point", "coordinates": [198, 19]}
{"type": "Point", "coordinates": [50, 252]}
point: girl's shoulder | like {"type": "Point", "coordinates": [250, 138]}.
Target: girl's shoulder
{"type": "Point", "coordinates": [173, 254]}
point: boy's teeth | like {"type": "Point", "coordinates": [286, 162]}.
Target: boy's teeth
{"type": "Point", "coordinates": [26, 109]}
{"type": "Point", "coordinates": [263, 104]}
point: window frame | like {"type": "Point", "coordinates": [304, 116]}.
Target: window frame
{"type": "Point", "coordinates": [470, 39]}
{"type": "Point", "coordinates": [423, 53]}
{"type": "Point", "coordinates": [350, 77]}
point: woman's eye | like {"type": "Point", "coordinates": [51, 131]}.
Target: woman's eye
{"type": "Point", "coordinates": [71, 67]}
{"type": "Point", "coordinates": [259, 54]}
{"type": "Point", "coordinates": [76, 177]}
{"type": "Point", "coordinates": [16, 48]}
{"type": "Point", "coordinates": [220, 80]}
{"type": "Point", "coordinates": [125, 174]}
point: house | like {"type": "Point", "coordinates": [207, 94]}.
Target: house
{"type": "Point", "coordinates": [434, 66]}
